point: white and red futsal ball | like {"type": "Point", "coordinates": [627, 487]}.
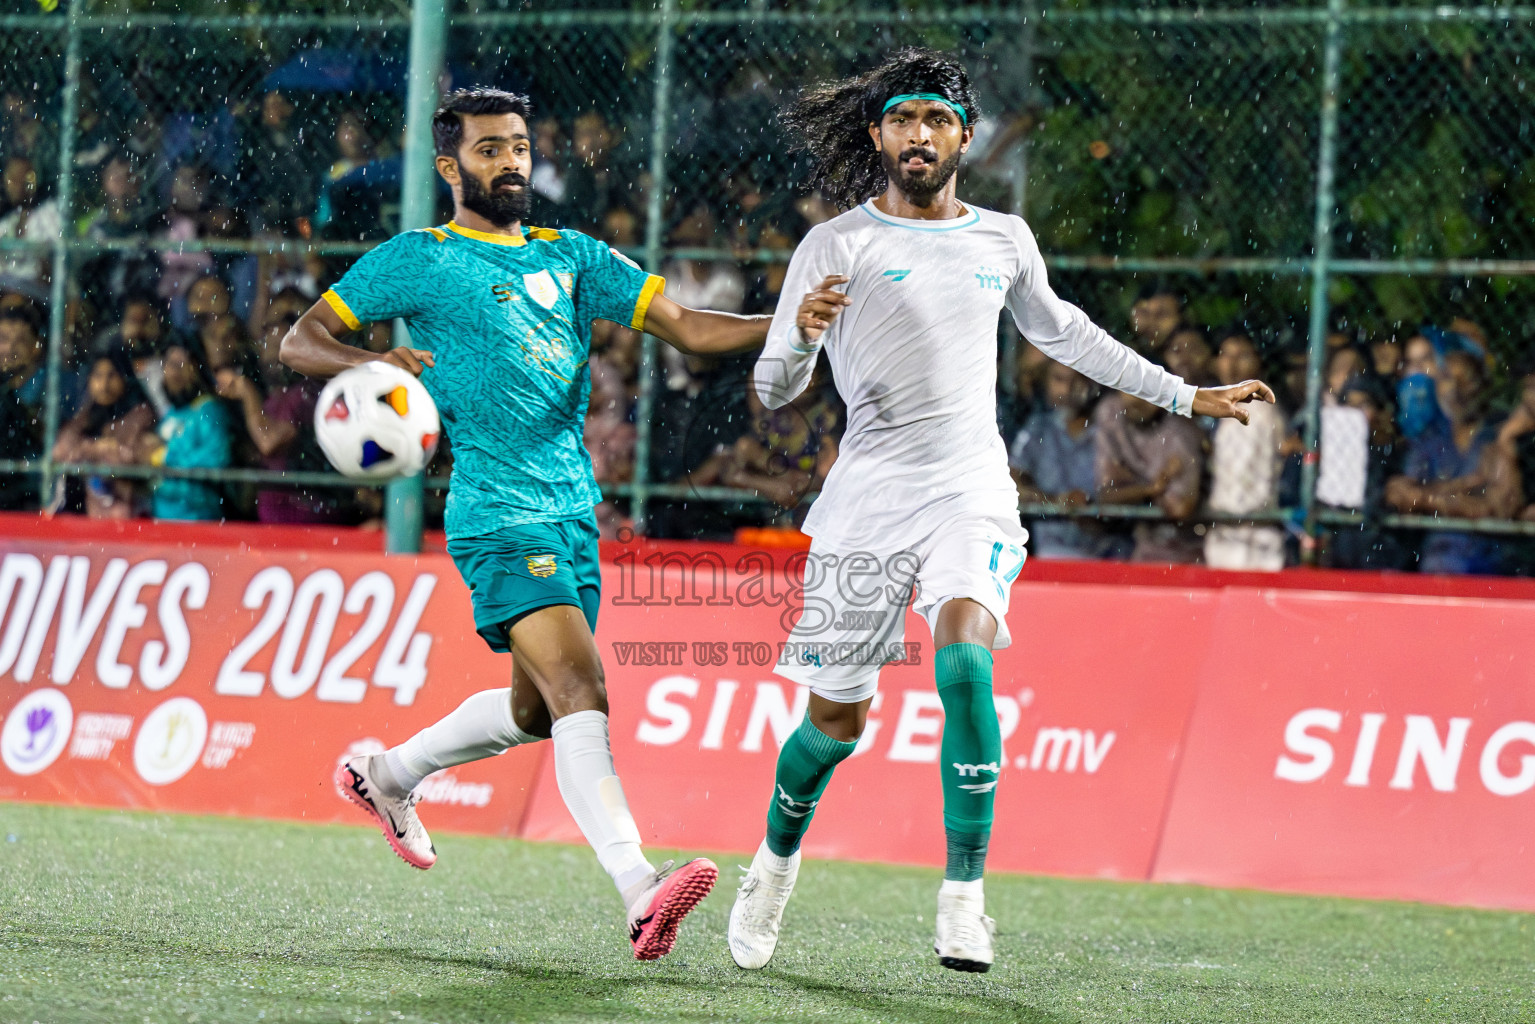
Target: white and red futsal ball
{"type": "Point", "coordinates": [376, 421]}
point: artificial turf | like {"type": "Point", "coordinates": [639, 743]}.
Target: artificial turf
{"type": "Point", "coordinates": [109, 916]}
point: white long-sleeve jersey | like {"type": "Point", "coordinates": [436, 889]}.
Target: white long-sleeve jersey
{"type": "Point", "coordinates": [914, 357]}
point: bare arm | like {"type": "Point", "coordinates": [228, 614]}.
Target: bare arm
{"type": "Point", "coordinates": [1178, 506]}
{"type": "Point", "coordinates": [270, 436]}
{"type": "Point", "coordinates": [313, 347]}
{"type": "Point", "coordinates": [701, 332]}
{"type": "Point", "coordinates": [262, 297]}
{"type": "Point", "coordinates": [1129, 494]}
{"type": "Point", "coordinates": [1493, 491]}
{"type": "Point", "coordinates": [72, 445]}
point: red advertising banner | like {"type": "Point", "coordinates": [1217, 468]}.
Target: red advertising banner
{"type": "Point", "coordinates": [1173, 724]}
{"type": "Point", "coordinates": [231, 681]}
{"type": "Point", "coordinates": [1369, 745]}
{"type": "Point", "coordinates": [1089, 746]}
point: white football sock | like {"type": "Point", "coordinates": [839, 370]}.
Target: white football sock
{"type": "Point", "coordinates": [583, 767]}
{"type": "Point", "coordinates": [773, 862]}
{"type": "Point", "coordinates": [482, 726]}
{"type": "Point", "coordinates": [970, 890]}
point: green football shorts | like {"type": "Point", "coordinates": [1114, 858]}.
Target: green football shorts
{"type": "Point", "coordinates": [518, 570]}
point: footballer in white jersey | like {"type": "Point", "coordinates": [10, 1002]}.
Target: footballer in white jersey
{"type": "Point", "coordinates": [902, 293]}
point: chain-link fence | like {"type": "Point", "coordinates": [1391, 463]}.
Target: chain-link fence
{"type": "Point", "coordinates": [1345, 195]}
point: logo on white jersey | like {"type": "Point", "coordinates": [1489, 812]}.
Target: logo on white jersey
{"type": "Point", "coordinates": [896, 275]}
{"type": "Point", "coordinates": [990, 277]}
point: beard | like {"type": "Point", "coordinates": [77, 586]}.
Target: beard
{"type": "Point", "coordinates": [500, 208]}
{"type": "Point", "coordinates": [920, 188]}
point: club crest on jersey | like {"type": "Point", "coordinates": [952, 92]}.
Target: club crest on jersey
{"type": "Point", "coordinates": [541, 565]}
{"type": "Point", "coordinates": [541, 288]}
{"type": "Point", "coordinates": [567, 282]}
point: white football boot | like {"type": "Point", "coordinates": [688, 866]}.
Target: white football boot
{"type": "Point", "coordinates": [758, 909]}
{"type": "Point", "coordinates": [964, 933]}
{"type": "Point", "coordinates": [358, 781]}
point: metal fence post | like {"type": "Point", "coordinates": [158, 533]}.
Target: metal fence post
{"type": "Point", "coordinates": [1007, 380]}
{"type": "Point", "coordinates": [418, 207]}
{"type": "Point", "coordinates": [1327, 152]}
{"type": "Point", "coordinates": [58, 285]}
{"type": "Point", "coordinates": [655, 212]}
{"type": "Point", "coordinates": [1027, 46]}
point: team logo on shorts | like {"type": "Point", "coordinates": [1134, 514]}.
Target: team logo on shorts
{"type": "Point", "coordinates": [541, 565]}
{"type": "Point", "coordinates": [541, 288]}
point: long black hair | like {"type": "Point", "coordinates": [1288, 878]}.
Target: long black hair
{"type": "Point", "coordinates": [830, 120]}
{"type": "Point", "coordinates": [97, 417]}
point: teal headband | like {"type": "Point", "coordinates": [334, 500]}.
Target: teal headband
{"type": "Point", "coordinates": [894, 100]}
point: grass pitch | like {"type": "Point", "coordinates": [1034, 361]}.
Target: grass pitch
{"type": "Point", "coordinates": [108, 916]}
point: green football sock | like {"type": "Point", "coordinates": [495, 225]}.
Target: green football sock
{"type": "Point", "coordinates": [970, 756]}
{"type": "Point", "coordinates": [804, 768]}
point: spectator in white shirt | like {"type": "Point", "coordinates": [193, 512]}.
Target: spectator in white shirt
{"type": "Point", "coordinates": [698, 284]}
{"type": "Point", "coordinates": [549, 169]}
{"type": "Point", "coordinates": [702, 284]}
{"type": "Point", "coordinates": [1244, 470]}
{"type": "Point", "coordinates": [28, 219]}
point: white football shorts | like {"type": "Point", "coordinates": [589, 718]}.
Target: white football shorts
{"type": "Point", "coordinates": [854, 617]}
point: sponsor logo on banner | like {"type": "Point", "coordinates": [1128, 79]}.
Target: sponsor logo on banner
{"type": "Point", "coordinates": [170, 741]}
{"type": "Point", "coordinates": [36, 731]}
{"type": "Point", "coordinates": [445, 788]}
{"type": "Point", "coordinates": [97, 734]}
{"type": "Point", "coordinates": [671, 701]}
{"type": "Point", "coordinates": [1424, 750]}
{"type": "Point", "coordinates": [225, 740]}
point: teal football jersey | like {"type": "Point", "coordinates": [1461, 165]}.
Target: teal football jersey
{"type": "Point", "coordinates": [509, 323]}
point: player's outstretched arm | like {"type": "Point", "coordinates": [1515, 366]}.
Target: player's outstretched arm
{"type": "Point", "coordinates": [314, 347]}
{"type": "Point", "coordinates": [1226, 402]}
{"type": "Point", "coordinates": [702, 332]}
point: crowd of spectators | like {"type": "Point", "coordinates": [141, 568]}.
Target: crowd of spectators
{"type": "Point", "coordinates": [1406, 426]}
{"type": "Point", "coordinates": [171, 360]}
{"type": "Point", "coordinates": [170, 355]}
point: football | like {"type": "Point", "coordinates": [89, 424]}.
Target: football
{"type": "Point", "coordinates": [376, 421]}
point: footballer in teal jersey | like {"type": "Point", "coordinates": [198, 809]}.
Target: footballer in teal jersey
{"type": "Point", "coordinates": [508, 319]}
{"type": "Point", "coordinates": [500, 317]}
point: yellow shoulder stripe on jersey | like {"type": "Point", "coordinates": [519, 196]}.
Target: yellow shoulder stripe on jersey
{"type": "Point", "coordinates": [342, 310]}
{"type": "Point", "coordinates": [543, 235]}
{"type": "Point", "coordinates": [485, 236]}
{"type": "Point", "coordinates": [653, 286]}
{"type": "Point", "coordinates": [437, 233]}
